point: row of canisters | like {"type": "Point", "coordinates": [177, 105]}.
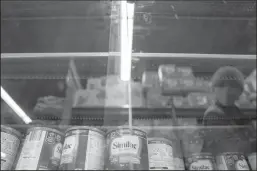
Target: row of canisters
{"type": "Point", "coordinates": [123, 148]}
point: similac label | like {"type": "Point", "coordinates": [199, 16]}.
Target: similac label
{"type": "Point", "coordinates": [83, 150]}
{"type": "Point", "coordinates": [57, 151]}
{"type": "Point", "coordinates": [203, 164]}
{"type": "Point", "coordinates": [68, 151]}
{"type": "Point", "coordinates": [127, 150]}
{"type": "Point", "coordinates": [9, 148]}
{"type": "Point", "coordinates": [127, 146]}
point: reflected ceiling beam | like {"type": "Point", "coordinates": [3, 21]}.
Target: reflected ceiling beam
{"type": "Point", "coordinates": [139, 55]}
{"type": "Point", "coordinates": [93, 18]}
{"type": "Point", "coordinates": [14, 106]}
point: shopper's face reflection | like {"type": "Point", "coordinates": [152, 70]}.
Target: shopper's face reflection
{"type": "Point", "coordinates": [227, 95]}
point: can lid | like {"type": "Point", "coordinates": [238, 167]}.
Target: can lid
{"type": "Point", "coordinates": [159, 139]}
{"type": "Point", "coordinates": [225, 153]}
{"type": "Point", "coordinates": [202, 154]}
{"type": "Point", "coordinates": [85, 128]}
{"type": "Point", "coordinates": [199, 155]}
{"type": "Point", "coordinates": [46, 129]}
{"type": "Point", "coordinates": [126, 127]}
{"type": "Point", "coordinates": [252, 154]}
{"type": "Point", "coordinates": [10, 130]}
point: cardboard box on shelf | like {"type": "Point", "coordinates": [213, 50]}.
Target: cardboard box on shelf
{"type": "Point", "coordinates": [154, 98]}
{"type": "Point", "coordinates": [109, 91]}
{"type": "Point", "coordinates": [150, 80]}
{"type": "Point", "coordinates": [198, 100]}
{"type": "Point", "coordinates": [89, 98]}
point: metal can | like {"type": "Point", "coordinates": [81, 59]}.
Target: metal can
{"type": "Point", "coordinates": [252, 160]}
{"type": "Point", "coordinates": [200, 161]}
{"type": "Point", "coordinates": [10, 141]}
{"type": "Point", "coordinates": [83, 149]}
{"type": "Point", "coordinates": [127, 149]}
{"type": "Point", "coordinates": [41, 150]}
{"type": "Point", "coordinates": [163, 156]}
{"type": "Point", "coordinates": [231, 161]}
{"type": "Point", "coordinates": [254, 124]}
{"type": "Point", "coordinates": [18, 153]}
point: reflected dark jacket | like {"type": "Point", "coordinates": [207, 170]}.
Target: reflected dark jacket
{"type": "Point", "coordinates": [234, 137]}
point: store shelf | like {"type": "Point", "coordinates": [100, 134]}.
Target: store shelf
{"type": "Point", "coordinates": [146, 113]}
{"type": "Point", "coordinates": [98, 113]}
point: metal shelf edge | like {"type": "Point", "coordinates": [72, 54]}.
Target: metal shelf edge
{"type": "Point", "coordinates": [147, 113]}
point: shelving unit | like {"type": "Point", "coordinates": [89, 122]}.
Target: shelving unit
{"type": "Point", "coordinates": [79, 63]}
{"type": "Point", "coordinates": [54, 48]}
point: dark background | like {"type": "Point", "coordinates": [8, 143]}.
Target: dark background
{"type": "Point", "coordinates": [164, 26]}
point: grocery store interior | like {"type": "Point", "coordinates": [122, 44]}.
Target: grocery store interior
{"type": "Point", "coordinates": [128, 85]}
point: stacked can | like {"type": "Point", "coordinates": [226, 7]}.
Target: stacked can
{"type": "Point", "coordinates": [200, 161]}
{"type": "Point", "coordinates": [164, 155]}
{"type": "Point", "coordinates": [231, 161]}
{"type": "Point", "coordinates": [252, 160]}
{"type": "Point", "coordinates": [10, 141]}
{"type": "Point", "coordinates": [41, 150]}
{"type": "Point", "coordinates": [83, 149]}
{"type": "Point", "coordinates": [127, 149]}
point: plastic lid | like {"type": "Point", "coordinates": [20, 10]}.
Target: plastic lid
{"type": "Point", "coordinates": [84, 128]}
{"type": "Point", "coordinates": [46, 129]}
{"type": "Point", "coordinates": [10, 130]}
{"type": "Point", "coordinates": [126, 127]}
{"type": "Point", "coordinates": [159, 139]}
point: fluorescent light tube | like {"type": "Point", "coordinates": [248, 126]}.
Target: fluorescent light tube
{"type": "Point", "coordinates": [3, 155]}
{"type": "Point", "coordinates": [16, 108]}
{"type": "Point", "coordinates": [127, 22]}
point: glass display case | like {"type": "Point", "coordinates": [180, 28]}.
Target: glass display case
{"type": "Point", "coordinates": [128, 85]}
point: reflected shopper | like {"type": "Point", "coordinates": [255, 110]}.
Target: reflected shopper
{"type": "Point", "coordinates": [228, 85]}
